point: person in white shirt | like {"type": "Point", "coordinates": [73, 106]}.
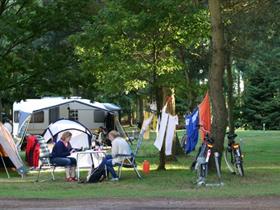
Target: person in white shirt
{"type": "Point", "coordinates": [119, 146]}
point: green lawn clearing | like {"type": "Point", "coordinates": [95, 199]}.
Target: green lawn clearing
{"type": "Point", "coordinates": [262, 169]}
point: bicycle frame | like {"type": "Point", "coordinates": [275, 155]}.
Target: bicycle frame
{"type": "Point", "coordinates": [236, 157]}
{"type": "Point", "coordinates": [202, 160]}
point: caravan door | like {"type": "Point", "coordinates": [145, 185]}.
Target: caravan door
{"type": "Point", "coordinates": [53, 115]}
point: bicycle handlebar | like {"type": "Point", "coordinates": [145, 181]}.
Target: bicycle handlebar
{"type": "Point", "coordinates": [208, 139]}
{"type": "Point", "coordinates": [231, 136]}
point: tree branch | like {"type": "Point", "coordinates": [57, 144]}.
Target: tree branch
{"type": "Point", "coordinates": [16, 43]}
{"type": "Point", "coordinates": [20, 81]}
{"type": "Point", "coordinates": [21, 7]}
{"type": "Point", "coordinates": [3, 6]}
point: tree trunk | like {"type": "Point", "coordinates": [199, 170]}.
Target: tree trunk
{"type": "Point", "coordinates": [140, 110]}
{"type": "Point", "coordinates": [159, 102]}
{"type": "Point", "coordinates": [230, 102]}
{"type": "Point", "coordinates": [158, 93]}
{"type": "Point", "coordinates": [219, 122]}
{"type": "Point", "coordinates": [239, 88]}
{"type": "Point", "coordinates": [130, 116]}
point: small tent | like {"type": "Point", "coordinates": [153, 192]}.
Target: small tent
{"type": "Point", "coordinates": [81, 136]}
{"type": "Point", "coordinates": [9, 151]}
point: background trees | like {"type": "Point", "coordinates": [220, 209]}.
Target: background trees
{"type": "Point", "coordinates": [36, 58]}
{"type": "Point", "coordinates": [251, 44]}
{"type": "Point", "coordinates": [129, 52]}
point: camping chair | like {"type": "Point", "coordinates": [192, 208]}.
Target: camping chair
{"type": "Point", "coordinates": [45, 158]}
{"type": "Point", "coordinates": [129, 160]}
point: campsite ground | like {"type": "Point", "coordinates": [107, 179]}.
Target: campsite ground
{"type": "Point", "coordinates": [173, 188]}
{"type": "Point", "coordinates": [255, 203]}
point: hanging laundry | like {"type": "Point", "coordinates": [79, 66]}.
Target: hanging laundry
{"type": "Point", "coordinates": [205, 116]}
{"type": "Point", "coordinates": [192, 123]}
{"type": "Point", "coordinates": [146, 124]}
{"type": "Point", "coordinates": [157, 128]}
{"type": "Point", "coordinates": [171, 128]}
{"type": "Point", "coordinates": [162, 128]}
{"type": "Point", "coordinates": [147, 130]}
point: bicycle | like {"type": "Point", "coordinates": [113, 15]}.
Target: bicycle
{"type": "Point", "coordinates": [202, 159]}
{"type": "Point", "coordinates": [233, 155]}
{"type": "Point", "coordinates": [183, 141]}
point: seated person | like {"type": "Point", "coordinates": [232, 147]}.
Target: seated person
{"type": "Point", "coordinates": [61, 150]}
{"type": "Point", "coordinates": [119, 146]}
{"type": "Point", "coordinates": [102, 133]}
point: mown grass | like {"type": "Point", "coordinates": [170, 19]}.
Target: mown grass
{"type": "Point", "coordinates": [262, 168]}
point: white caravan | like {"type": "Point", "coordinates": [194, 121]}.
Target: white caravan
{"type": "Point", "coordinates": [48, 110]}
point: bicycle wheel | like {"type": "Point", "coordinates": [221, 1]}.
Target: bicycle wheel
{"type": "Point", "coordinates": [227, 156]}
{"type": "Point", "coordinates": [240, 169]}
{"type": "Point", "coordinates": [239, 162]}
{"type": "Point", "coordinates": [184, 141]}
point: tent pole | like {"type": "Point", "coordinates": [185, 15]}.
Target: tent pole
{"type": "Point", "coordinates": [5, 167]}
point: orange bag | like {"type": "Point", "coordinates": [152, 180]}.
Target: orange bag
{"type": "Point", "coordinates": [146, 167]}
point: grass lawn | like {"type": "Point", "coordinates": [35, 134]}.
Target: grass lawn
{"type": "Point", "coordinates": [262, 169]}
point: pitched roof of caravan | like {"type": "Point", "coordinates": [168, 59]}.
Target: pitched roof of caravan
{"type": "Point", "coordinates": [34, 105]}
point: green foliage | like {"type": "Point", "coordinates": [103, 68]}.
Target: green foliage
{"type": "Point", "coordinates": [262, 94]}
{"type": "Point", "coordinates": [35, 57]}
{"type": "Point", "coordinates": [134, 45]}
{"type": "Point", "coordinates": [124, 49]}
{"type": "Point", "coordinates": [253, 45]}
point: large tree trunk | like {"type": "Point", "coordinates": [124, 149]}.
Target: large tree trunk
{"type": "Point", "coordinates": [230, 102]}
{"type": "Point", "coordinates": [219, 122]}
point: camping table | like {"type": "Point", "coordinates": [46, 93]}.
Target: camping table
{"type": "Point", "coordinates": [87, 158]}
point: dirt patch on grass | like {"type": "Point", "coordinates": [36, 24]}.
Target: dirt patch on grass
{"type": "Point", "coordinates": [272, 202]}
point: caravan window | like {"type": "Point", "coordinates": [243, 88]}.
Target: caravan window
{"type": "Point", "coordinates": [73, 114]}
{"type": "Point", "coordinates": [16, 118]}
{"type": "Point", "coordinates": [37, 117]}
{"type": "Point", "coordinates": [99, 116]}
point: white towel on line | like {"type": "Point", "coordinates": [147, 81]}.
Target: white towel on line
{"type": "Point", "coordinates": [171, 128]}
{"type": "Point", "coordinates": [146, 124]}
{"type": "Point", "coordinates": [162, 128]}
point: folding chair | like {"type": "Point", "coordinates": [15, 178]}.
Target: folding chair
{"type": "Point", "coordinates": [45, 158]}
{"type": "Point", "coordinates": [129, 160]}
